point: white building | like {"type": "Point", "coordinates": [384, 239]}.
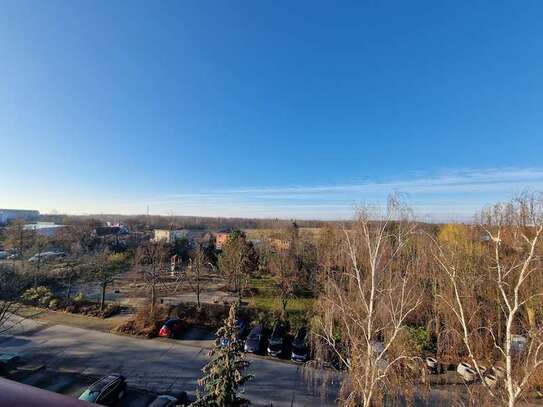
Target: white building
{"type": "Point", "coordinates": [7, 215]}
{"type": "Point", "coordinates": [169, 236]}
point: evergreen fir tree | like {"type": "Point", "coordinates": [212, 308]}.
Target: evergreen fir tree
{"type": "Point", "coordinates": [223, 375]}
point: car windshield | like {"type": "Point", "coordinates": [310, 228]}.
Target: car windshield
{"type": "Point", "coordinates": [255, 333]}
{"type": "Point", "coordinates": [299, 347]}
{"type": "Point", "coordinates": [89, 395]}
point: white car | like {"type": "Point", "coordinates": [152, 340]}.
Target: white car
{"type": "Point", "coordinates": [46, 256]}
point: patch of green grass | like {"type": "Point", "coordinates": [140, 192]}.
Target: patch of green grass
{"type": "Point", "coordinates": [274, 304]}
{"type": "Point", "coordinates": [268, 303]}
{"type": "Point", "coordinates": [265, 286]}
{"type": "Point", "coordinates": [297, 308]}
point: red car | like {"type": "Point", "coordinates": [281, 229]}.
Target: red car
{"type": "Point", "coordinates": [171, 329]}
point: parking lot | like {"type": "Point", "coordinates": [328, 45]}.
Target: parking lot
{"type": "Point", "coordinates": [73, 385]}
{"type": "Point", "coordinates": [76, 356]}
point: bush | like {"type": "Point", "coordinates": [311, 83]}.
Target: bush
{"type": "Point", "coordinates": [71, 309]}
{"type": "Point", "coordinates": [145, 323]}
{"type": "Point", "coordinates": [111, 309]}
{"type": "Point", "coordinates": [38, 296]}
{"type": "Point", "coordinates": [419, 339]}
{"type": "Point", "coordinates": [211, 316]}
{"type": "Point", "coordinates": [79, 298]}
{"type": "Point", "coordinates": [54, 303]}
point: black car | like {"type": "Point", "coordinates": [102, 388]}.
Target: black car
{"type": "Point", "coordinates": [170, 401]}
{"type": "Point", "coordinates": [300, 350]}
{"type": "Point", "coordinates": [106, 391]}
{"type": "Point", "coordinates": [277, 340]}
{"type": "Point", "coordinates": [255, 340]}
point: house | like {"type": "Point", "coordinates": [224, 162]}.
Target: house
{"type": "Point", "coordinates": [280, 245]}
{"type": "Point", "coordinates": [220, 239]}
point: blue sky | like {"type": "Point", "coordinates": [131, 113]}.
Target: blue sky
{"type": "Point", "coordinates": [253, 108]}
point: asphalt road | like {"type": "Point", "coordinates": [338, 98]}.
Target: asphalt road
{"type": "Point", "coordinates": [155, 365]}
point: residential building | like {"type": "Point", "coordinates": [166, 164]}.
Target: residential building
{"type": "Point", "coordinates": [169, 236]}
{"type": "Point", "coordinates": [220, 239]}
{"type": "Point", "coordinates": [281, 245]}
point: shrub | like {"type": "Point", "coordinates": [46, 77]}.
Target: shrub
{"type": "Point", "coordinates": [79, 298]}
{"type": "Point", "coordinates": [419, 339]}
{"type": "Point", "coordinates": [111, 309]}
{"type": "Point", "coordinates": [40, 296]}
{"type": "Point", "coordinates": [71, 308]}
{"type": "Point", "coordinates": [54, 303]}
{"type": "Point", "coordinates": [145, 322]}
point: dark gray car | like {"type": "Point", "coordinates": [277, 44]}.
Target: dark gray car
{"type": "Point", "coordinates": [255, 340]}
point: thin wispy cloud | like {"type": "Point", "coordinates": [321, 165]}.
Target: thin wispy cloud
{"type": "Point", "coordinates": [453, 195]}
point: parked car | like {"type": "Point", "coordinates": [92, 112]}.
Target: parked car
{"type": "Point", "coordinates": [170, 401]}
{"type": "Point", "coordinates": [45, 256]}
{"type": "Point", "coordinates": [300, 350]}
{"type": "Point", "coordinates": [241, 330]}
{"type": "Point", "coordinates": [3, 254]}
{"type": "Point", "coordinates": [277, 340]}
{"type": "Point", "coordinates": [106, 391]}
{"type": "Point", "coordinates": [255, 340]}
{"type": "Point", "coordinates": [14, 256]}
{"type": "Point", "coordinates": [432, 364]}
{"type": "Point", "coordinates": [172, 328]}
{"type": "Point", "coordinates": [467, 372]}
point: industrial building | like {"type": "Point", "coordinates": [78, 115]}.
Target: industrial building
{"type": "Point", "coordinates": [9, 215]}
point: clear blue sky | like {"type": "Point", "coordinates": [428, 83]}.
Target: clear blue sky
{"type": "Point", "coordinates": [269, 108]}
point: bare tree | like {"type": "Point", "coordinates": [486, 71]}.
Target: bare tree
{"type": "Point", "coordinates": [198, 263]}
{"type": "Point", "coordinates": [105, 267]}
{"type": "Point", "coordinates": [511, 235]}
{"type": "Point", "coordinates": [284, 273]}
{"type": "Point", "coordinates": [153, 261]}
{"type": "Point", "coordinates": [237, 261]}
{"type": "Point", "coordinates": [18, 239]}
{"type": "Point", "coordinates": [39, 245]}
{"type": "Point", "coordinates": [365, 304]}
{"type": "Point", "coordinates": [11, 287]}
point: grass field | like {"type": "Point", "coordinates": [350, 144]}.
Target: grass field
{"type": "Point", "coordinates": [268, 302]}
